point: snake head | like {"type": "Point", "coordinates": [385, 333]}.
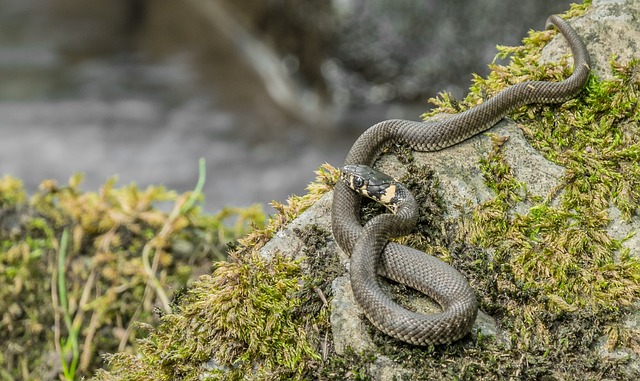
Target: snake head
{"type": "Point", "coordinates": [373, 184]}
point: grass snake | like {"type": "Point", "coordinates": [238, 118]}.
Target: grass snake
{"type": "Point", "coordinates": [370, 250]}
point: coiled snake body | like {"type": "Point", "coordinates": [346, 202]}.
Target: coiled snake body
{"type": "Point", "coordinates": [370, 251]}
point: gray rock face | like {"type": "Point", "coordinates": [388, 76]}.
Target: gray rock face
{"type": "Point", "coordinates": [608, 28]}
{"type": "Point", "coordinates": [611, 29]}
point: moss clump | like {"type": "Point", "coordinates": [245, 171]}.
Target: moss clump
{"type": "Point", "coordinates": [250, 319]}
{"type": "Point", "coordinates": [67, 301]}
{"type": "Point", "coordinates": [242, 316]}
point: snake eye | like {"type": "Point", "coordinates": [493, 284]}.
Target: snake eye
{"type": "Point", "coordinates": [358, 182]}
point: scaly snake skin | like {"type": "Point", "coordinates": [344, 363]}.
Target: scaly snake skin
{"type": "Point", "coordinates": [368, 246]}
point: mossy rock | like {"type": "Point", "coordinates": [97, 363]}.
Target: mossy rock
{"type": "Point", "coordinates": [540, 215]}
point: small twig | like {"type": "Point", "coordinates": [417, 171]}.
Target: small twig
{"type": "Point", "coordinates": [77, 322]}
{"type": "Point", "coordinates": [85, 358]}
{"type": "Point", "coordinates": [167, 229]}
{"type": "Point", "coordinates": [322, 297]}
{"type": "Point", "coordinates": [152, 280]}
{"type": "Point", "coordinates": [325, 346]}
{"type": "Point", "coordinates": [127, 333]}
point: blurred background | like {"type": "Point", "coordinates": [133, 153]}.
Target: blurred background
{"type": "Point", "coordinates": [265, 91]}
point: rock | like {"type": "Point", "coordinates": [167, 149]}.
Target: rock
{"type": "Point", "coordinates": [607, 29]}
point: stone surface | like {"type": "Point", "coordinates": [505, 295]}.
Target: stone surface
{"type": "Point", "coordinates": [609, 29]}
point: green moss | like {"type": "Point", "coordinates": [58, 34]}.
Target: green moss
{"type": "Point", "coordinates": [323, 265]}
{"type": "Point", "coordinates": [242, 316]}
{"type": "Point", "coordinates": [124, 257]}
{"type": "Point", "coordinates": [11, 192]}
{"type": "Point", "coordinates": [563, 248]}
{"type": "Point", "coordinates": [252, 318]}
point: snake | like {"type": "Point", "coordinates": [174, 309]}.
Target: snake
{"type": "Point", "coordinates": [371, 251]}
